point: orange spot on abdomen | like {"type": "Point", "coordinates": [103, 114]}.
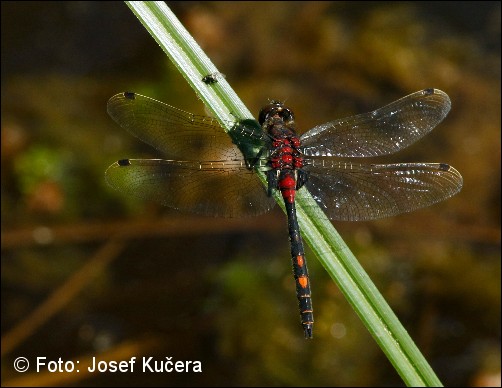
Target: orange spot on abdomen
{"type": "Point", "coordinates": [303, 281]}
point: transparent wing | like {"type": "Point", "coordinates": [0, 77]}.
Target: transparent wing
{"type": "Point", "coordinates": [224, 188]}
{"type": "Point", "coordinates": [178, 134]}
{"type": "Point", "coordinates": [383, 131]}
{"type": "Point", "coordinates": [356, 192]}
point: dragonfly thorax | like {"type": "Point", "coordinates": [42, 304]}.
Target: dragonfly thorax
{"type": "Point", "coordinates": [286, 161]}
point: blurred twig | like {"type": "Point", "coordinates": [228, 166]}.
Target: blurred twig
{"type": "Point", "coordinates": [61, 296]}
{"type": "Point", "coordinates": [193, 225]}
{"type": "Point", "coordinates": [173, 226]}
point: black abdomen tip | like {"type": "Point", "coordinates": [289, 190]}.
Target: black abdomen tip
{"type": "Point", "coordinates": [307, 328]}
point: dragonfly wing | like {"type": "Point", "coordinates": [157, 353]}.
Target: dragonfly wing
{"type": "Point", "coordinates": [381, 132]}
{"type": "Point", "coordinates": [223, 189]}
{"type": "Point", "coordinates": [357, 192]}
{"type": "Point", "coordinates": [178, 134]}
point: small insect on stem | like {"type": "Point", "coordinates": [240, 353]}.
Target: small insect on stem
{"type": "Point", "coordinates": [212, 78]}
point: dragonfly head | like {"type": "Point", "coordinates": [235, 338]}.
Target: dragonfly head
{"type": "Point", "coordinates": [276, 109]}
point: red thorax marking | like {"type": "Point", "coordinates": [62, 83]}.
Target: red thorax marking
{"type": "Point", "coordinates": [286, 158]}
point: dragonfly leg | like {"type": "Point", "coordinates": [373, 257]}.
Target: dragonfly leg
{"type": "Point", "coordinates": [301, 179]}
{"type": "Point", "coordinates": [272, 179]}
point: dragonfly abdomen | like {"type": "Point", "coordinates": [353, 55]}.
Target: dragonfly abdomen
{"type": "Point", "coordinates": [300, 271]}
{"type": "Point", "coordinates": [286, 175]}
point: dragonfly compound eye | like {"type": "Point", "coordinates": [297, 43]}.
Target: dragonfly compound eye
{"type": "Point", "coordinates": [287, 115]}
{"type": "Point", "coordinates": [275, 108]}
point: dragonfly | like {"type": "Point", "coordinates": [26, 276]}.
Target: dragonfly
{"type": "Point", "coordinates": [208, 172]}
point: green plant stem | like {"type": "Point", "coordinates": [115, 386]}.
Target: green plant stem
{"type": "Point", "coordinates": [330, 249]}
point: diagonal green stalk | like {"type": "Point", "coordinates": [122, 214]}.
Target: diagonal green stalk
{"type": "Point", "coordinates": [324, 240]}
